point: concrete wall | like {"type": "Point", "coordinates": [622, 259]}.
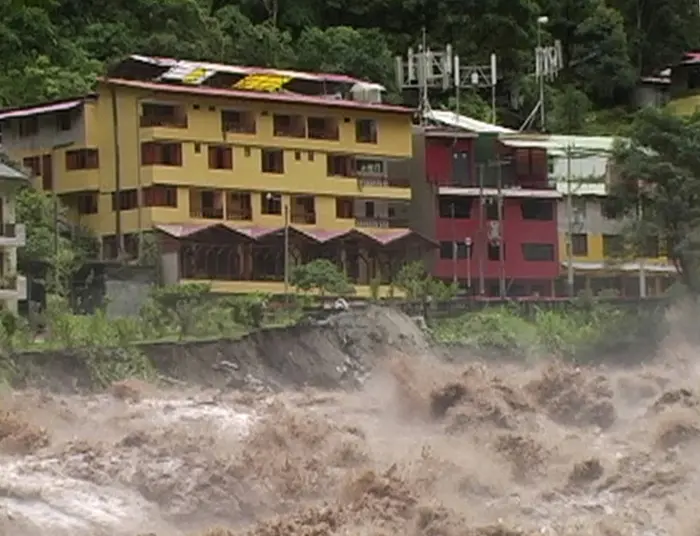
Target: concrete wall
{"type": "Point", "coordinates": [48, 136]}
{"type": "Point", "coordinates": [590, 215]}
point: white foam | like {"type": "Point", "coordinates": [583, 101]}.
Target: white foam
{"type": "Point", "coordinates": [37, 495]}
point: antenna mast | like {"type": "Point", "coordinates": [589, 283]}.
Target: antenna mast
{"type": "Point", "coordinates": [426, 70]}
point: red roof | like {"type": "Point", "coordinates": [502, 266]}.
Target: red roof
{"type": "Point", "coordinates": [259, 96]}
{"type": "Point", "coordinates": [381, 236]}
{"type": "Point", "coordinates": [43, 108]}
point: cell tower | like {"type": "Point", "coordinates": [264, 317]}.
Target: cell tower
{"type": "Point", "coordinates": [548, 63]}
{"type": "Point", "coordinates": [427, 70]}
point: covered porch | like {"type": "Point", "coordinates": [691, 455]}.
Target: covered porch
{"type": "Point", "coordinates": [249, 259]}
{"type": "Point", "coordinates": [627, 279]}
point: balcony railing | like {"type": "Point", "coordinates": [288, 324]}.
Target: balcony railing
{"type": "Point", "coordinates": [207, 213]}
{"type": "Point", "coordinates": [8, 282]}
{"type": "Point", "coordinates": [304, 218]}
{"type": "Point", "coordinates": [239, 215]}
{"type": "Point", "coordinates": [168, 122]}
{"type": "Point", "coordinates": [383, 181]}
{"type": "Point", "coordinates": [326, 133]}
{"type": "Point", "coordinates": [382, 223]}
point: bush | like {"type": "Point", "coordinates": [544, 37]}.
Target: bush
{"type": "Point", "coordinates": [582, 331]}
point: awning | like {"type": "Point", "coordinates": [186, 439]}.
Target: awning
{"type": "Point", "coordinates": [505, 192]}
{"type": "Point", "coordinates": [580, 146]}
{"type": "Point", "coordinates": [634, 267]}
{"type": "Point", "coordinates": [36, 110]}
{"type": "Point", "coordinates": [8, 172]}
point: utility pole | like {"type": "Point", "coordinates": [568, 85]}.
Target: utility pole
{"type": "Point", "coordinates": [501, 237]}
{"type": "Point", "coordinates": [570, 225]}
{"type": "Point", "coordinates": [454, 244]}
{"type": "Point", "coordinates": [482, 232]}
{"type": "Point", "coordinates": [540, 57]}
{"type": "Point", "coordinates": [286, 251]}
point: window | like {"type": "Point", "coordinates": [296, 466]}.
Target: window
{"type": "Point", "coordinates": [220, 157]}
{"type": "Point", "coordinates": [161, 154]}
{"type": "Point", "coordinates": [125, 200]}
{"type": "Point", "coordinates": [613, 245]}
{"type": "Point", "coordinates": [459, 249]}
{"type": "Point", "coordinates": [344, 208]}
{"type": "Point", "coordinates": [303, 209]}
{"type": "Point", "coordinates": [272, 160]}
{"type": "Point", "coordinates": [88, 203]}
{"type": "Point", "coordinates": [160, 196]}
{"type": "Point", "coordinates": [47, 172]}
{"type": "Point", "coordinates": [370, 167]}
{"type": "Point", "coordinates": [297, 155]}
{"type": "Point", "coordinates": [238, 206]}
{"type": "Point", "coordinates": [455, 206]}
{"type": "Point", "coordinates": [323, 128]}
{"type": "Point", "coordinates": [608, 212]}
{"type": "Point", "coordinates": [492, 210]}
{"type": "Point", "coordinates": [197, 148]}
{"type": "Point", "coordinates": [310, 156]}
{"type": "Point", "coordinates": [238, 122]}
{"type": "Point", "coordinates": [289, 126]}
{"type": "Point", "coordinates": [271, 203]}
{"type": "Point", "coordinates": [494, 251]}
{"type": "Point", "coordinates": [64, 121]}
{"type": "Point", "coordinates": [579, 245]}
{"type": "Point", "coordinates": [538, 252]}
{"type": "Point", "coordinates": [366, 131]}
{"type": "Point", "coordinates": [82, 159]}
{"type": "Point", "coordinates": [579, 206]}
{"type": "Point", "coordinates": [28, 126]}
{"type": "Point", "coordinates": [155, 114]}
{"type": "Point", "coordinates": [246, 151]}
{"type": "Point", "coordinates": [369, 209]}
{"type": "Point", "coordinates": [340, 165]}
{"type": "Point", "coordinates": [537, 209]}
{"type": "Point", "coordinates": [33, 163]}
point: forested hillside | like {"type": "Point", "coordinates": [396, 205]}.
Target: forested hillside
{"type": "Point", "coordinates": [54, 48]}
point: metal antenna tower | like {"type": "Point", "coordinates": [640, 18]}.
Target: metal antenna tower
{"type": "Point", "coordinates": [427, 70]}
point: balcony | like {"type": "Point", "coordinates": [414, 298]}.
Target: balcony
{"type": "Point", "coordinates": [13, 235]}
{"type": "Point", "coordinates": [383, 182]}
{"type": "Point", "coordinates": [381, 223]}
{"type": "Point", "coordinates": [323, 128]}
{"type": "Point", "coordinates": [303, 218]}
{"type": "Point", "coordinates": [13, 287]}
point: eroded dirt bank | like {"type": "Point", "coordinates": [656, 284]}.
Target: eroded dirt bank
{"type": "Point", "coordinates": [418, 447]}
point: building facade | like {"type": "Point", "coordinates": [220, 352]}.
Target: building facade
{"type": "Point", "coordinates": [597, 251]}
{"type": "Point", "coordinates": [221, 166]}
{"type": "Point", "coordinates": [492, 208]}
{"type": "Point", "coordinates": [13, 287]}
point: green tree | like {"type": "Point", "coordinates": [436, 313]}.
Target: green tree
{"type": "Point", "coordinates": [322, 275]}
{"type": "Point", "coordinates": [570, 109]}
{"type": "Point", "coordinates": [657, 187]}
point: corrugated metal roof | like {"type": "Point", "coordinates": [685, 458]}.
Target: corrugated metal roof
{"type": "Point", "coordinates": [8, 172]}
{"type": "Point", "coordinates": [558, 145]}
{"type": "Point", "coordinates": [252, 95]}
{"type": "Point", "coordinates": [245, 70]}
{"type": "Point", "coordinates": [466, 123]}
{"type": "Point", "coordinates": [40, 109]}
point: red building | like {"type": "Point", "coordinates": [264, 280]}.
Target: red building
{"type": "Point", "coordinates": [466, 177]}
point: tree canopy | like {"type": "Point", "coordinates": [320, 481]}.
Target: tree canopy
{"type": "Point", "coordinates": [56, 48]}
{"type": "Point", "coordinates": [656, 187]}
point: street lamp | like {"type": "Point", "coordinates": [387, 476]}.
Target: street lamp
{"type": "Point", "coordinates": [468, 244]}
{"type": "Point", "coordinates": [285, 211]}
{"type": "Point", "coordinates": [539, 58]}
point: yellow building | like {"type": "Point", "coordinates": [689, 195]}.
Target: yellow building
{"type": "Point", "coordinates": [13, 287]}
{"type": "Point", "coordinates": [222, 163]}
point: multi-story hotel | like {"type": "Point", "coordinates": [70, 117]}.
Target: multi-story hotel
{"type": "Point", "coordinates": [223, 163]}
{"type": "Point", "coordinates": [13, 287]}
{"type": "Point", "coordinates": [489, 204]}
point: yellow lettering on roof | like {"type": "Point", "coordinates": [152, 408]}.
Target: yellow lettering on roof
{"type": "Point", "coordinates": [195, 76]}
{"type": "Point", "coordinates": [262, 82]}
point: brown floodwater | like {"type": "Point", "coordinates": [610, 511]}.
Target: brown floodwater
{"type": "Point", "coordinates": [424, 448]}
